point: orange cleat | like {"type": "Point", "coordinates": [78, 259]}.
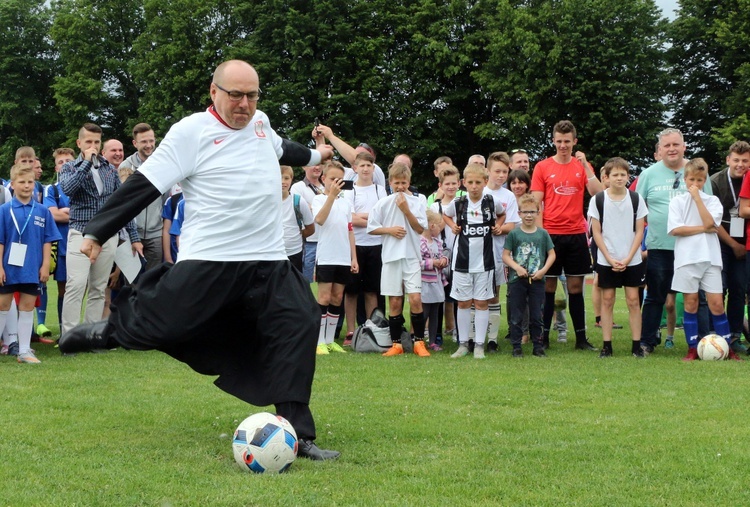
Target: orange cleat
{"type": "Point", "coordinates": [395, 350]}
{"type": "Point", "coordinates": [420, 349]}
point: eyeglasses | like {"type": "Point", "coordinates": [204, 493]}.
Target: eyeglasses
{"type": "Point", "coordinates": [676, 181]}
{"type": "Point", "coordinates": [528, 212]}
{"type": "Point", "coordinates": [668, 131]}
{"type": "Point", "coordinates": [236, 96]}
{"type": "Point", "coordinates": [365, 146]}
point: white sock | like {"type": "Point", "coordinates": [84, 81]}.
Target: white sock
{"type": "Point", "coordinates": [463, 323]}
{"type": "Point", "coordinates": [10, 334]}
{"type": "Point", "coordinates": [472, 325]}
{"type": "Point", "coordinates": [322, 332]}
{"type": "Point", "coordinates": [481, 321]}
{"type": "Point", "coordinates": [494, 325]}
{"type": "Point", "coordinates": [331, 322]}
{"type": "Point", "coordinates": [7, 337]}
{"type": "Point", "coordinates": [25, 323]}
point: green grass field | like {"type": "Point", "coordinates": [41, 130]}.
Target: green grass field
{"type": "Point", "coordinates": [132, 428]}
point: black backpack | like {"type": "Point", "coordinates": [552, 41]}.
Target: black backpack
{"type": "Point", "coordinates": [599, 200]}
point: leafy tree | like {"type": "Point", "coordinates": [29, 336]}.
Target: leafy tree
{"type": "Point", "coordinates": [595, 62]}
{"type": "Point", "coordinates": [27, 64]}
{"type": "Point", "coordinates": [94, 39]}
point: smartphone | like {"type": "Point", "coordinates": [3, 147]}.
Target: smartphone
{"type": "Point", "coordinates": [348, 185]}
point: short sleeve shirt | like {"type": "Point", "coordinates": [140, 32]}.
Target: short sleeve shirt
{"type": "Point", "coordinates": [563, 186]}
{"type": "Point", "coordinates": [529, 249]}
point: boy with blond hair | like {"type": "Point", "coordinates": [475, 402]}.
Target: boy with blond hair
{"type": "Point", "coordinates": [473, 219]}
{"type": "Point", "coordinates": [297, 217]}
{"type": "Point", "coordinates": [400, 218]}
{"type": "Point", "coordinates": [694, 218]}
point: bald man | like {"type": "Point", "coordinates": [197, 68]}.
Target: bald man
{"type": "Point", "coordinates": [232, 305]}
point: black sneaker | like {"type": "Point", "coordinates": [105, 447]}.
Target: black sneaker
{"type": "Point", "coordinates": [492, 347]}
{"type": "Point", "coordinates": [517, 352]}
{"type": "Point", "coordinates": [639, 353]}
{"type": "Point", "coordinates": [646, 349]}
{"type": "Point", "coordinates": [605, 353]}
{"type": "Point", "coordinates": [539, 352]}
{"type": "Point", "coordinates": [585, 345]}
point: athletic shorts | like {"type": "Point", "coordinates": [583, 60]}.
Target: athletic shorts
{"type": "Point", "coordinates": [31, 289]}
{"type": "Point", "coordinates": [333, 274]}
{"type": "Point", "coordinates": [370, 268]}
{"type": "Point", "coordinates": [403, 275]}
{"type": "Point", "coordinates": [571, 255]}
{"type": "Point", "coordinates": [468, 286]}
{"type": "Point", "coordinates": [691, 277]}
{"type": "Point", "coordinates": [633, 276]}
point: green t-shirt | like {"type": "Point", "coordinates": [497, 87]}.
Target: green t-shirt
{"type": "Point", "coordinates": [655, 185]}
{"type": "Point", "coordinates": [528, 249]}
{"type": "Point", "coordinates": [431, 198]}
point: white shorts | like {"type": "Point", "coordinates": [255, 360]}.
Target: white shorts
{"type": "Point", "coordinates": [499, 273]}
{"type": "Point", "coordinates": [397, 277]}
{"type": "Point", "coordinates": [468, 286]}
{"type": "Point", "coordinates": [691, 277]}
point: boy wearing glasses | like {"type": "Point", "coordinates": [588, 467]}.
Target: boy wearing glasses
{"type": "Point", "coordinates": [529, 253]}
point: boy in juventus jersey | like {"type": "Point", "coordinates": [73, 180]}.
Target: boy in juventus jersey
{"type": "Point", "coordinates": [473, 219]}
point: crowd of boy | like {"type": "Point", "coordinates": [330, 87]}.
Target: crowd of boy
{"type": "Point", "coordinates": [376, 239]}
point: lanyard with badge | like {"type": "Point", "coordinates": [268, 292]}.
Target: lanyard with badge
{"type": "Point", "coordinates": [17, 254]}
{"type": "Point", "coordinates": [736, 224]}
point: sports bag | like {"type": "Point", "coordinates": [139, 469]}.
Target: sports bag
{"type": "Point", "coordinates": [370, 338]}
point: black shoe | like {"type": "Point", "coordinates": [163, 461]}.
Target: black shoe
{"type": "Point", "coordinates": [308, 449]}
{"type": "Point", "coordinates": [639, 353]}
{"type": "Point", "coordinates": [492, 347]}
{"type": "Point", "coordinates": [84, 338]}
{"type": "Point", "coordinates": [585, 345]}
{"type": "Point", "coordinates": [539, 352]}
{"type": "Point", "coordinates": [517, 352]}
{"type": "Point", "coordinates": [471, 346]}
{"type": "Point", "coordinates": [646, 349]}
{"type": "Point", "coordinates": [605, 353]}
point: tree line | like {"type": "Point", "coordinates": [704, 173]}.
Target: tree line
{"type": "Point", "coordinates": [426, 77]}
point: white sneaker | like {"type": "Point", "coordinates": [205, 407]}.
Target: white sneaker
{"type": "Point", "coordinates": [28, 357]}
{"type": "Point", "coordinates": [479, 351]}
{"type": "Point", "coordinates": [463, 349]}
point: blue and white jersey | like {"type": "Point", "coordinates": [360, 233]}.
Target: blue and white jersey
{"type": "Point", "coordinates": [54, 197]}
{"type": "Point", "coordinates": [37, 227]}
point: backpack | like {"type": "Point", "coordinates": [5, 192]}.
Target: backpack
{"type": "Point", "coordinates": [371, 338]}
{"type": "Point", "coordinates": [488, 210]}
{"type": "Point", "coordinates": [599, 200]}
{"type": "Point", "coordinates": [297, 211]}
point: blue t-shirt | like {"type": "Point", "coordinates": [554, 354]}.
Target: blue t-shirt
{"type": "Point", "coordinates": [169, 212]}
{"type": "Point", "coordinates": [176, 228]}
{"type": "Point", "coordinates": [38, 227]}
{"type": "Point", "coordinates": [55, 197]}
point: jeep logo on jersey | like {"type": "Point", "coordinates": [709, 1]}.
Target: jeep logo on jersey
{"type": "Point", "coordinates": [476, 231]}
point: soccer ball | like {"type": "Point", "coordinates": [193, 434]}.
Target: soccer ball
{"type": "Point", "coordinates": [264, 443]}
{"type": "Point", "coordinates": [713, 347]}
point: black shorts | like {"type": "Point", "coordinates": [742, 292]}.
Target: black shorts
{"type": "Point", "coordinates": [32, 289]}
{"type": "Point", "coordinates": [633, 276]}
{"type": "Point", "coordinates": [370, 266]}
{"type": "Point", "coordinates": [333, 274]}
{"type": "Point", "coordinates": [297, 260]}
{"type": "Point", "coordinates": [571, 254]}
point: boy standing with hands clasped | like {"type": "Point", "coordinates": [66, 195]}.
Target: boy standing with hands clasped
{"type": "Point", "coordinates": [529, 253]}
{"type": "Point", "coordinates": [619, 262]}
{"type": "Point", "coordinates": [694, 218]}
{"type": "Point", "coordinates": [27, 231]}
{"type": "Point", "coordinates": [400, 218]}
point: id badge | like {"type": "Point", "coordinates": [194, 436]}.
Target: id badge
{"type": "Point", "coordinates": [17, 254]}
{"type": "Point", "coordinates": [736, 227]}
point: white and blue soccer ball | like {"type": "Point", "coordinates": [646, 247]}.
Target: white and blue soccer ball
{"type": "Point", "coordinates": [265, 443]}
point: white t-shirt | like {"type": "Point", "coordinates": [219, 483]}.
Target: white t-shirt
{"type": "Point", "coordinates": [334, 248]}
{"type": "Point", "coordinates": [510, 204]}
{"type": "Point", "coordinates": [231, 180]}
{"type": "Point", "coordinates": [378, 176]}
{"type": "Point", "coordinates": [308, 194]}
{"type": "Point", "coordinates": [362, 200]}
{"type": "Point", "coordinates": [617, 229]}
{"type": "Point", "coordinates": [698, 247]}
{"type": "Point", "coordinates": [387, 214]}
{"type": "Point", "coordinates": [469, 247]}
{"type": "Point", "coordinates": [292, 234]}
{"type": "Point", "coordinates": [450, 238]}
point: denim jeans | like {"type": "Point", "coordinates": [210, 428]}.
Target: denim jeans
{"type": "Point", "coordinates": [523, 295]}
{"type": "Point", "coordinates": [734, 278]}
{"type": "Point", "coordinates": [308, 267]}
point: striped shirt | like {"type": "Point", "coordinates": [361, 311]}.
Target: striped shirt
{"type": "Point", "coordinates": [77, 181]}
